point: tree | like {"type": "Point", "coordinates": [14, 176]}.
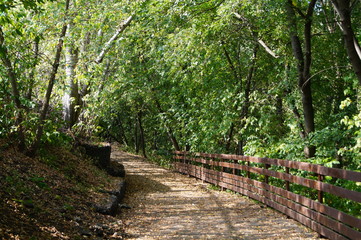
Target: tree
{"type": "Point", "coordinates": [54, 70]}
{"type": "Point", "coordinates": [74, 94]}
{"type": "Point", "coordinates": [15, 89]}
{"type": "Point", "coordinates": [303, 58]}
{"type": "Point", "coordinates": [344, 8]}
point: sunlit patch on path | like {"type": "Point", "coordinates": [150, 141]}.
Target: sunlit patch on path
{"type": "Point", "coordinates": [168, 205]}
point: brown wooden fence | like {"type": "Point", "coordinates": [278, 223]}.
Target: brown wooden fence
{"type": "Point", "coordinates": [274, 182]}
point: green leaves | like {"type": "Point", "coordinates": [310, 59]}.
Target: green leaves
{"type": "Point", "coordinates": [186, 66]}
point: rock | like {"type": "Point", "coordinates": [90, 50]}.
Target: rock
{"type": "Point", "coordinates": [116, 169]}
{"type": "Point", "coordinates": [111, 200]}
{"type": "Point", "coordinates": [85, 232]}
{"type": "Point", "coordinates": [116, 234]}
{"type": "Point", "coordinates": [109, 207]}
{"type": "Point", "coordinates": [125, 206]}
{"type": "Point", "coordinates": [98, 230]}
{"type": "Point", "coordinates": [78, 219]}
{"type": "Point", "coordinates": [101, 154]}
{"type": "Point", "coordinates": [28, 203]}
{"type": "Point", "coordinates": [120, 191]}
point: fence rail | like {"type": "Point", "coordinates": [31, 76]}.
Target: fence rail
{"type": "Point", "coordinates": [271, 181]}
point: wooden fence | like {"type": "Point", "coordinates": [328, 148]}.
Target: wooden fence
{"type": "Point", "coordinates": [274, 182]}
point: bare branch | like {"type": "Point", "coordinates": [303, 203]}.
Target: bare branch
{"type": "Point", "coordinates": [109, 44]}
{"type": "Point", "coordinates": [261, 42]}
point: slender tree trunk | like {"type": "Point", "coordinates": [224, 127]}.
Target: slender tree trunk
{"type": "Point", "coordinates": [169, 129]}
{"type": "Point", "coordinates": [247, 90]}
{"type": "Point", "coordinates": [293, 107]}
{"type": "Point", "coordinates": [303, 67]}
{"type": "Point", "coordinates": [170, 132]}
{"type": "Point", "coordinates": [111, 41]}
{"type": "Point", "coordinates": [240, 146]}
{"type": "Point", "coordinates": [279, 111]}
{"type": "Point", "coordinates": [105, 76]}
{"type": "Point", "coordinates": [55, 66]}
{"type": "Point", "coordinates": [142, 137]}
{"type": "Point", "coordinates": [230, 138]}
{"type": "Point", "coordinates": [236, 74]}
{"type": "Point", "coordinates": [122, 132]}
{"type": "Point", "coordinates": [155, 140]}
{"type": "Point", "coordinates": [15, 89]}
{"type": "Point", "coordinates": [32, 72]}
{"type": "Point", "coordinates": [136, 138]}
{"type": "Point", "coordinates": [238, 77]}
{"type": "Point", "coordinates": [343, 9]}
{"type": "Point", "coordinates": [246, 103]}
{"type": "Point", "coordinates": [71, 98]}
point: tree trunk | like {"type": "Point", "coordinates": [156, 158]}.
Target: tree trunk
{"type": "Point", "coordinates": [136, 138]}
{"type": "Point", "coordinates": [15, 89]}
{"type": "Point", "coordinates": [170, 132]}
{"type": "Point", "coordinates": [111, 41]}
{"type": "Point", "coordinates": [40, 128]}
{"type": "Point", "coordinates": [71, 99]}
{"type": "Point", "coordinates": [32, 72]}
{"type": "Point", "coordinates": [343, 9]}
{"type": "Point", "coordinates": [279, 111]}
{"type": "Point", "coordinates": [230, 138]}
{"type": "Point", "coordinates": [122, 132]}
{"type": "Point", "coordinates": [240, 145]}
{"type": "Point", "coordinates": [141, 131]}
{"type": "Point", "coordinates": [155, 140]}
{"type": "Point", "coordinates": [303, 68]}
{"type": "Point", "coordinates": [247, 90]}
{"type": "Point", "coordinates": [245, 107]}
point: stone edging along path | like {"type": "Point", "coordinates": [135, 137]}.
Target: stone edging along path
{"type": "Point", "coordinates": [168, 205]}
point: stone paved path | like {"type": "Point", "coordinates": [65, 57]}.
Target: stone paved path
{"type": "Point", "coordinates": [168, 205]}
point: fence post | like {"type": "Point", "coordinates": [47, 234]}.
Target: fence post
{"type": "Point", "coordinates": [320, 193]}
{"type": "Point", "coordinates": [248, 172]}
{"type": "Point", "coordinates": [202, 172]}
{"type": "Point", "coordinates": [189, 164]}
{"type": "Point", "coordinates": [287, 182]}
{"type": "Point", "coordinates": [235, 172]}
{"type": "Point", "coordinates": [267, 166]}
{"type": "Point", "coordinates": [186, 167]}
{"type": "Point", "coordinates": [233, 169]}
{"type": "Point", "coordinates": [222, 171]}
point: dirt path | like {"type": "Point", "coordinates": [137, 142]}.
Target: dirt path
{"type": "Point", "coordinates": [168, 205]}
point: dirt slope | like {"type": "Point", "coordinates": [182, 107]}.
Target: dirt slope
{"type": "Point", "coordinates": [52, 196]}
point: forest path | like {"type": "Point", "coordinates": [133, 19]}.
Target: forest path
{"type": "Point", "coordinates": [168, 205]}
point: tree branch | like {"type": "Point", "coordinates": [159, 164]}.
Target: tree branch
{"type": "Point", "coordinates": [109, 44]}
{"type": "Point", "coordinates": [261, 42]}
{"type": "Point", "coordinates": [229, 60]}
